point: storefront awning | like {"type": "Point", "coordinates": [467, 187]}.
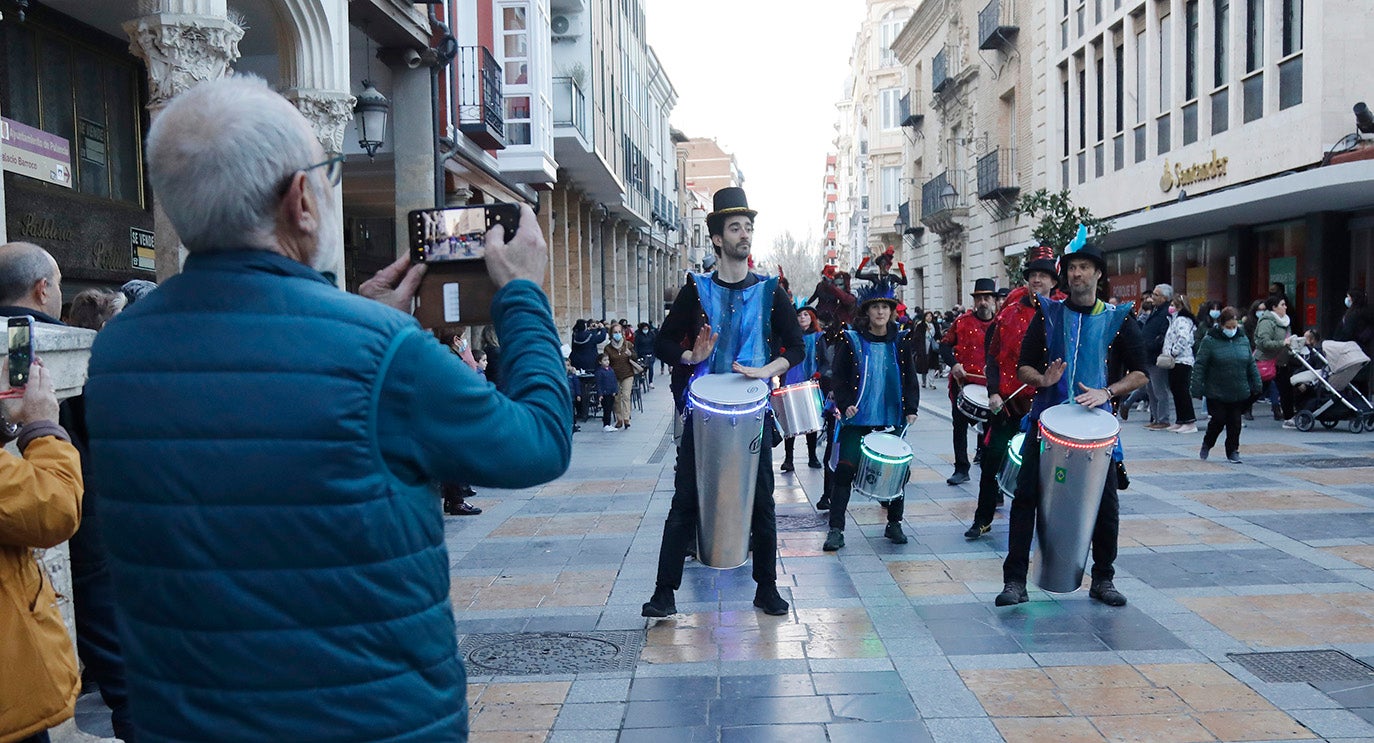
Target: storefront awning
{"type": "Point", "coordinates": [1334, 188]}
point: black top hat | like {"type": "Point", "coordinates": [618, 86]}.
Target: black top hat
{"type": "Point", "coordinates": [1040, 258]}
{"type": "Point", "coordinates": [727, 202]}
{"type": "Point", "coordinates": [984, 286]}
{"type": "Point", "coordinates": [1089, 251]}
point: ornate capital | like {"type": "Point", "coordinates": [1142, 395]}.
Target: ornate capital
{"type": "Point", "coordinates": [182, 51]}
{"type": "Point", "coordinates": [328, 113]}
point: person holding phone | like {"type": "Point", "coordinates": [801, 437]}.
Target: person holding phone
{"type": "Point", "coordinates": [268, 446]}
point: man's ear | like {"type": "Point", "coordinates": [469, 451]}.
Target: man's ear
{"type": "Point", "coordinates": [300, 205]}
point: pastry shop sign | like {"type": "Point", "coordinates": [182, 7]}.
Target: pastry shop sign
{"type": "Point", "coordinates": [35, 153]}
{"type": "Point", "coordinates": [1181, 175]}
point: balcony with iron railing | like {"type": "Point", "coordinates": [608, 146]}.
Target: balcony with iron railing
{"type": "Point", "coordinates": [569, 105]}
{"type": "Point", "coordinates": [944, 206]}
{"type": "Point", "coordinates": [480, 98]}
{"type": "Point", "coordinates": [939, 71]}
{"type": "Point", "coordinates": [997, 24]}
{"type": "Point", "coordinates": [910, 118]}
{"type": "Point", "coordinates": [997, 175]}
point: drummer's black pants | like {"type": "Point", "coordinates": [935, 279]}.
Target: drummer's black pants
{"type": "Point", "coordinates": [848, 467]}
{"type": "Point", "coordinates": [680, 529]}
{"type": "Point", "coordinates": [1002, 427]}
{"type": "Point", "coordinates": [1023, 519]}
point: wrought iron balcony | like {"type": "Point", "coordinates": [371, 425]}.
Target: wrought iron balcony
{"type": "Point", "coordinates": [944, 205]}
{"type": "Point", "coordinates": [996, 24]}
{"type": "Point", "coordinates": [910, 118]}
{"type": "Point", "coordinates": [480, 98]}
{"type": "Point", "coordinates": [939, 71]}
{"type": "Point", "coordinates": [569, 105]}
{"type": "Point", "coordinates": [997, 175]}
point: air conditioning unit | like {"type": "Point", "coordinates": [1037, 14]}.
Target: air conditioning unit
{"type": "Point", "coordinates": [567, 27]}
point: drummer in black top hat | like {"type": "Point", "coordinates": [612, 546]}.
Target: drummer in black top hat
{"type": "Point", "coordinates": [968, 337]}
{"type": "Point", "coordinates": [705, 334]}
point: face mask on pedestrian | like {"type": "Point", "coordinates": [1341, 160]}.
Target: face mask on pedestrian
{"type": "Point", "coordinates": [1214, 314]}
{"type": "Point", "coordinates": [1229, 332]}
{"type": "Point", "coordinates": [617, 337]}
{"type": "Point", "coordinates": [1173, 310]}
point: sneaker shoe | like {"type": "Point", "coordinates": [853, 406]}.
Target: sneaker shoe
{"type": "Point", "coordinates": [977, 530]}
{"type": "Point", "coordinates": [1233, 457]}
{"type": "Point", "coordinates": [609, 429]}
{"type": "Point", "coordinates": [1105, 591]}
{"type": "Point", "coordinates": [1186, 428]}
{"type": "Point", "coordinates": [958, 478]}
{"type": "Point", "coordinates": [1290, 424]}
{"type": "Point", "coordinates": [661, 605]}
{"type": "Point", "coordinates": [1203, 452]}
{"type": "Point", "coordinates": [766, 597]}
{"type": "Point", "coordinates": [833, 540]}
{"type": "Point", "coordinates": [823, 504]}
{"type": "Point", "coordinates": [1156, 426]}
{"type": "Point", "coordinates": [1174, 428]}
{"type": "Point", "coordinates": [1013, 593]}
{"type": "Point", "coordinates": [894, 533]}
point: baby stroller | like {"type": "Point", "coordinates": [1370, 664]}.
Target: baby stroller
{"type": "Point", "coordinates": [1332, 398]}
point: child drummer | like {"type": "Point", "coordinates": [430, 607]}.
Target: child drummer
{"type": "Point", "coordinates": [876, 387]}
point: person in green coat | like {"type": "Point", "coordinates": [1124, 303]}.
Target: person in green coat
{"type": "Point", "coordinates": [1224, 372]}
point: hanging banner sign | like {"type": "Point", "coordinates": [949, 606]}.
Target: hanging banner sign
{"type": "Point", "coordinates": [35, 153]}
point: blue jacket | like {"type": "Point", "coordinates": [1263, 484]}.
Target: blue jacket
{"type": "Point", "coordinates": [606, 383]}
{"type": "Point", "coordinates": [266, 446]}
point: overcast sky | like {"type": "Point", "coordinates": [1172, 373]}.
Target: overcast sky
{"type": "Point", "coordinates": [762, 77]}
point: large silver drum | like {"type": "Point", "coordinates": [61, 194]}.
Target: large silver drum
{"type": "Point", "coordinates": [1075, 458]}
{"type": "Point", "coordinates": [1011, 466]}
{"type": "Point", "coordinates": [727, 428]}
{"type": "Point", "coordinates": [797, 408]}
{"type": "Point", "coordinates": [884, 466]}
{"type": "Point", "coordinates": [973, 403]}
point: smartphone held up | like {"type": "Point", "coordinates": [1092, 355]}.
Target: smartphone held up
{"type": "Point", "coordinates": [19, 359]}
{"type": "Point", "coordinates": [457, 289]}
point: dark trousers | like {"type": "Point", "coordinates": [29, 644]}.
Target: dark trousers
{"type": "Point", "coordinates": [37, 738]}
{"type": "Point", "coordinates": [1227, 414]}
{"type": "Point", "coordinates": [607, 407]}
{"type": "Point", "coordinates": [1023, 519]}
{"type": "Point", "coordinates": [680, 528]}
{"type": "Point", "coordinates": [1001, 428]}
{"type": "Point", "coordinates": [810, 447]}
{"type": "Point", "coordinates": [1179, 378]}
{"type": "Point", "coordinates": [97, 629]}
{"type": "Point", "coordinates": [961, 424]}
{"type": "Point", "coordinates": [844, 478]}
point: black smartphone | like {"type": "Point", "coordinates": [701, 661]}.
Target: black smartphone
{"type": "Point", "coordinates": [20, 349]}
{"type": "Point", "coordinates": [458, 233]}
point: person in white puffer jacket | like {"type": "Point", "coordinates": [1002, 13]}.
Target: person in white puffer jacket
{"type": "Point", "coordinates": [1178, 344]}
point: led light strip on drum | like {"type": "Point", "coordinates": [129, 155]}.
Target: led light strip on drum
{"type": "Point", "coordinates": [697, 403]}
{"type": "Point", "coordinates": [1070, 443]}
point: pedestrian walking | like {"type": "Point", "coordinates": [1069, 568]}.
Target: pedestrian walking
{"type": "Point", "coordinates": [622, 356]}
{"type": "Point", "coordinates": [268, 447]}
{"type": "Point", "coordinates": [1271, 355]}
{"type": "Point", "coordinates": [1153, 329]}
{"type": "Point", "coordinates": [607, 386]}
{"type": "Point", "coordinates": [1177, 358]}
{"type": "Point", "coordinates": [645, 338]}
{"type": "Point", "coordinates": [1224, 372]}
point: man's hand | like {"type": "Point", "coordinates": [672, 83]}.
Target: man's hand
{"type": "Point", "coordinates": [526, 257]}
{"type": "Point", "coordinates": [995, 402]}
{"type": "Point", "coordinates": [701, 347]}
{"type": "Point", "coordinates": [1053, 374]}
{"type": "Point", "coordinates": [911, 419]}
{"type": "Point", "coordinates": [39, 402]}
{"type": "Point", "coordinates": [958, 373]}
{"type": "Point", "coordinates": [753, 372]}
{"type": "Point", "coordinates": [1092, 397]}
{"type": "Point", "coordinates": [851, 411]}
{"type": "Point", "coordinates": [395, 285]}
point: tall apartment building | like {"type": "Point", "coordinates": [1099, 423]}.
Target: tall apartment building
{"type": "Point", "coordinates": [1201, 126]}
{"type": "Point", "coordinates": [830, 212]}
{"type": "Point", "coordinates": [709, 167]}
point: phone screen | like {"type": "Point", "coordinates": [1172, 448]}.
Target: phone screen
{"type": "Point", "coordinates": [20, 350]}
{"type": "Point", "coordinates": [452, 235]}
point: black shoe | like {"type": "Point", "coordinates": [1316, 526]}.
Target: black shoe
{"type": "Point", "coordinates": [460, 508]}
{"type": "Point", "coordinates": [958, 478]}
{"type": "Point", "coordinates": [823, 504]}
{"type": "Point", "coordinates": [833, 540]}
{"type": "Point", "coordinates": [1123, 481]}
{"type": "Point", "coordinates": [814, 463]}
{"type": "Point", "coordinates": [1233, 457]}
{"type": "Point", "coordinates": [1248, 416]}
{"type": "Point", "coordinates": [977, 530]}
{"type": "Point", "coordinates": [577, 428]}
{"type": "Point", "coordinates": [978, 457]}
{"type": "Point", "coordinates": [661, 605]}
{"type": "Point", "coordinates": [766, 597]}
{"type": "Point", "coordinates": [1105, 591]}
{"type": "Point", "coordinates": [787, 465]}
{"type": "Point", "coordinates": [1013, 593]}
{"type": "Point", "coordinates": [1125, 412]}
{"type": "Point", "coordinates": [1203, 452]}
{"type": "Point", "coordinates": [894, 533]}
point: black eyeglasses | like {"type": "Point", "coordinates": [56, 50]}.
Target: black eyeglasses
{"type": "Point", "coordinates": [333, 172]}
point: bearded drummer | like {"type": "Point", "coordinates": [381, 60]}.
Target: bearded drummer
{"type": "Point", "coordinates": [968, 337]}
{"type": "Point", "coordinates": [1009, 399]}
{"type": "Point", "coordinates": [730, 320]}
{"type": "Point", "coordinates": [1066, 353]}
{"type": "Point", "coordinates": [876, 387]}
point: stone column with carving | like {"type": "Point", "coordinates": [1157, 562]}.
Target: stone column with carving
{"type": "Point", "coordinates": [328, 113]}
{"type": "Point", "coordinates": [181, 50]}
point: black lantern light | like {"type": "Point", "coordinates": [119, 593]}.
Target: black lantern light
{"type": "Point", "coordinates": [371, 110]}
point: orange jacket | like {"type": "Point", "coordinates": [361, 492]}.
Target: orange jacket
{"type": "Point", "coordinates": [40, 507]}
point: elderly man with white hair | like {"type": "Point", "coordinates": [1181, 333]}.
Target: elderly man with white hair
{"type": "Point", "coordinates": [267, 447]}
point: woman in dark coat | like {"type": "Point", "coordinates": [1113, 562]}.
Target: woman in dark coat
{"type": "Point", "coordinates": [1358, 325]}
{"type": "Point", "coordinates": [586, 338]}
{"type": "Point", "coordinates": [1224, 372]}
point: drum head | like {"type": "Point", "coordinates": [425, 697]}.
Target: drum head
{"type": "Point", "coordinates": [1014, 448]}
{"type": "Point", "coordinates": [729, 389]}
{"type": "Point", "coordinates": [976, 393]}
{"type": "Point", "coordinates": [886, 446]}
{"type": "Point", "coordinates": [1079, 422]}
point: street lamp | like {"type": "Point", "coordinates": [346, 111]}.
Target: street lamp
{"type": "Point", "coordinates": [371, 109]}
{"type": "Point", "coordinates": [948, 196]}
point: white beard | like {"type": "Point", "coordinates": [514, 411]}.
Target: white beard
{"type": "Point", "coordinates": [329, 251]}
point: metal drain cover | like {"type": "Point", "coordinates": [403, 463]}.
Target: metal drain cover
{"type": "Point", "coordinates": [1312, 666]}
{"type": "Point", "coordinates": [803, 521]}
{"type": "Point", "coordinates": [549, 653]}
{"type": "Point", "coordinates": [1339, 462]}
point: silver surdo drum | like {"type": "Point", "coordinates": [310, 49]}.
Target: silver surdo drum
{"type": "Point", "coordinates": [1075, 458]}
{"type": "Point", "coordinates": [884, 466]}
{"type": "Point", "coordinates": [1011, 466]}
{"type": "Point", "coordinates": [727, 428]}
{"type": "Point", "coordinates": [797, 408]}
{"type": "Point", "coordinates": [973, 402]}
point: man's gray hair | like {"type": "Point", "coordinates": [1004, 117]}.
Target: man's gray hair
{"type": "Point", "coordinates": [218, 155]}
{"type": "Point", "coordinates": [1166, 290]}
{"type": "Point", "coordinates": [21, 266]}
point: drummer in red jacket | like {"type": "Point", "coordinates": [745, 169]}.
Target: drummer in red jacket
{"type": "Point", "coordinates": [876, 387]}
{"type": "Point", "coordinates": [968, 336]}
{"type": "Point", "coordinates": [1008, 399]}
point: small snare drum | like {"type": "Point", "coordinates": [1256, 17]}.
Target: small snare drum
{"type": "Point", "coordinates": [1011, 468]}
{"type": "Point", "coordinates": [884, 467]}
{"type": "Point", "coordinates": [973, 403]}
{"type": "Point", "coordinates": [797, 408]}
